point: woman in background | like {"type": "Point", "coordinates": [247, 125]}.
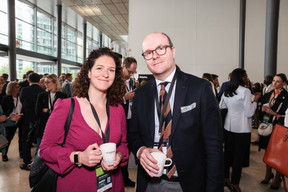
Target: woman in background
{"type": "Point", "coordinates": [10, 114]}
{"type": "Point", "coordinates": [271, 101]}
{"type": "Point", "coordinates": [98, 91]}
{"type": "Point", "coordinates": [45, 104]}
{"type": "Point", "coordinates": [237, 127]}
{"type": "Point", "coordinates": [11, 104]}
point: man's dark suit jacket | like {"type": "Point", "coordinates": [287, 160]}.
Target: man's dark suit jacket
{"type": "Point", "coordinates": [196, 135]}
{"type": "Point", "coordinates": [28, 98]}
{"type": "Point", "coordinates": [42, 117]}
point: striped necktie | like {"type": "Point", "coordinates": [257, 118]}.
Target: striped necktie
{"type": "Point", "coordinates": [166, 128]}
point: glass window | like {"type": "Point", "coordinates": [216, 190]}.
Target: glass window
{"type": "Point", "coordinates": [44, 21]}
{"type": "Point", "coordinates": [44, 38]}
{"type": "Point", "coordinates": [105, 41]}
{"type": "Point", "coordinates": [80, 47]}
{"type": "Point", "coordinates": [96, 34]}
{"type": "Point", "coordinates": [71, 51]}
{"type": "Point", "coordinates": [25, 35]}
{"type": "Point", "coordinates": [89, 30]}
{"type": "Point", "coordinates": [25, 12]}
{"type": "Point", "coordinates": [3, 6]}
{"type": "Point", "coordinates": [71, 34]}
{"type": "Point", "coordinates": [4, 28]}
{"type": "Point", "coordinates": [89, 45]}
{"type": "Point", "coordinates": [22, 67]}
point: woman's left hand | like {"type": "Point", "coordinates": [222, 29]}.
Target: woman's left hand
{"type": "Point", "coordinates": [118, 159]}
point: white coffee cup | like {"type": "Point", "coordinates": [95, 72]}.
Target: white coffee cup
{"type": "Point", "coordinates": [161, 160]}
{"type": "Point", "coordinates": [108, 153]}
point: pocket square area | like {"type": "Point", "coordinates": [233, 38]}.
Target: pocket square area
{"type": "Point", "coordinates": [184, 109]}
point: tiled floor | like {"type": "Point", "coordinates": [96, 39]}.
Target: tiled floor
{"type": "Point", "coordinates": [13, 179]}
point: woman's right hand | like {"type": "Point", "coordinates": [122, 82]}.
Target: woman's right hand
{"type": "Point", "coordinates": [91, 156]}
{"type": "Point", "coordinates": [3, 118]}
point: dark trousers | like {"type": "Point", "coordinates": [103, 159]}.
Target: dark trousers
{"type": "Point", "coordinates": [124, 169]}
{"type": "Point", "coordinates": [236, 154]}
{"type": "Point", "coordinates": [26, 143]}
{"type": "Point", "coordinates": [10, 132]}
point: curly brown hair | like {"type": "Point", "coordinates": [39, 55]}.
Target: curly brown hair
{"type": "Point", "coordinates": [82, 82]}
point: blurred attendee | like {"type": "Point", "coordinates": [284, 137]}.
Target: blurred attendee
{"type": "Point", "coordinates": [25, 83]}
{"type": "Point", "coordinates": [237, 128]}
{"type": "Point", "coordinates": [42, 83]}
{"type": "Point", "coordinates": [11, 106]}
{"type": "Point", "coordinates": [274, 105]}
{"type": "Point", "coordinates": [45, 104]}
{"type": "Point", "coordinates": [5, 83]}
{"type": "Point", "coordinates": [129, 69]}
{"type": "Point", "coordinates": [216, 83]}
{"type": "Point", "coordinates": [267, 84]}
{"type": "Point", "coordinates": [224, 87]}
{"type": "Point", "coordinates": [208, 77]}
{"type": "Point", "coordinates": [61, 79]}
{"type": "Point", "coordinates": [28, 97]}
{"type": "Point", "coordinates": [67, 85]}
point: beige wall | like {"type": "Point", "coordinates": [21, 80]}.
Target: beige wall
{"type": "Point", "coordinates": [206, 34]}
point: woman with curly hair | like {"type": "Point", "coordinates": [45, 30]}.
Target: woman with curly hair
{"type": "Point", "coordinates": [98, 92]}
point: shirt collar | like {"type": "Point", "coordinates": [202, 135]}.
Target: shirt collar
{"type": "Point", "coordinates": [168, 79]}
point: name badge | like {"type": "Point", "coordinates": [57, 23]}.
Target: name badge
{"type": "Point", "coordinates": [266, 119]}
{"type": "Point", "coordinates": [104, 179]}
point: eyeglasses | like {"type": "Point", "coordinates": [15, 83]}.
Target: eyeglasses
{"type": "Point", "coordinates": [131, 72]}
{"type": "Point", "coordinates": [161, 50]}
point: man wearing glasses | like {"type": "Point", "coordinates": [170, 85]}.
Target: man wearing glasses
{"type": "Point", "coordinates": [129, 69]}
{"type": "Point", "coordinates": [186, 126]}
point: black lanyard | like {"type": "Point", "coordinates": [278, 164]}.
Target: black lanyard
{"type": "Point", "coordinates": [49, 100]}
{"type": "Point", "coordinates": [16, 103]}
{"type": "Point", "coordinates": [105, 139]}
{"type": "Point", "coordinates": [159, 113]}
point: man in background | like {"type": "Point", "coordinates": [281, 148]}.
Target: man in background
{"type": "Point", "coordinates": [67, 85]}
{"type": "Point", "coordinates": [28, 98]}
{"type": "Point", "coordinates": [129, 69]}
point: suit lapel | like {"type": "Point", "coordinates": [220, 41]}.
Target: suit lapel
{"type": "Point", "coordinates": [150, 108]}
{"type": "Point", "coordinates": [179, 100]}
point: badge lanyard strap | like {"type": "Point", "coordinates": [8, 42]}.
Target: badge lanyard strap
{"type": "Point", "coordinates": [51, 104]}
{"type": "Point", "coordinates": [161, 114]}
{"type": "Point", "coordinates": [14, 108]}
{"type": "Point", "coordinates": [105, 139]}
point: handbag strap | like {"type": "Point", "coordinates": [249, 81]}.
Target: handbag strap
{"type": "Point", "coordinates": [68, 120]}
{"type": "Point", "coordinates": [279, 107]}
{"type": "Point", "coordinates": [284, 183]}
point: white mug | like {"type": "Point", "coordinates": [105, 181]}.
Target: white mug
{"type": "Point", "coordinates": [108, 153]}
{"type": "Point", "coordinates": [161, 160]}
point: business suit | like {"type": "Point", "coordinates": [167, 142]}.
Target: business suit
{"type": "Point", "coordinates": [28, 97]}
{"type": "Point", "coordinates": [42, 117]}
{"type": "Point", "coordinates": [196, 135]}
{"type": "Point", "coordinates": [67, 88]}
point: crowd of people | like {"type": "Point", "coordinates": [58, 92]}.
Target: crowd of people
{"type": "Point", "coordinates": [176, 113]}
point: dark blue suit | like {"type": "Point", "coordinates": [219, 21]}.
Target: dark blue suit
{"type": "Point", "coordinates": [196, 135]}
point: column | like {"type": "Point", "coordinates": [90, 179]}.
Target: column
{"type": "Point", "coordinates": [11, 39]}
{"type": "Point", "coordinates": [59, 41]}
{"type": "Point", "coordinates": [242, 33]}
{"type": "Point", "coordinates": [84, 39]}
{"type": "Point", "coordinates": [271, 37]}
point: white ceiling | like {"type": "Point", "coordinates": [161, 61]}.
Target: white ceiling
{"type": "Point", "coordinates": [109, 16]}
